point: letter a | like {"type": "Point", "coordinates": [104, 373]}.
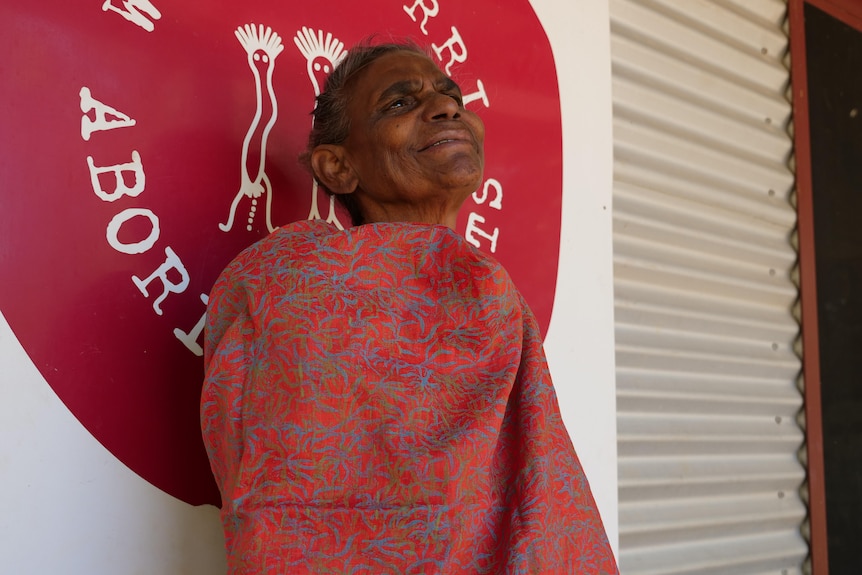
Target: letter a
{"type": "Point", "coordinates": [132, 15]}
{"type": "Point", "coordinates": [101, 112]}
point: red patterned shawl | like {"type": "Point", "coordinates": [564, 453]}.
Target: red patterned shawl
{"type": "Point", "coordinates": [377, 401]}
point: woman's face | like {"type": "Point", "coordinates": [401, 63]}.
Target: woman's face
{"type": "Point", "coordinates": [412, 145]}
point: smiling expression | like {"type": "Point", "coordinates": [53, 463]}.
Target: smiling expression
{"type": "Point", "coordinates": [414, 150]}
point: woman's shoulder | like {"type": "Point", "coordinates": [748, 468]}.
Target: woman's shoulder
{"type": "Point", "coordinates": [284, 240]}
{"type": "Point", "coordinates": [390, 246]}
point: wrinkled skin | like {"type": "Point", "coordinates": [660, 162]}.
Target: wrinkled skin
{"type": "Point", "coordinates": [414, 153]}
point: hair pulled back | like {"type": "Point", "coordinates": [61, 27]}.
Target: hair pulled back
{"type": "Point", "coordinates": [331, 121]}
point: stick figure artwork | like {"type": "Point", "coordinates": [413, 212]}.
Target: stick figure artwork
{"type": "Point", "coordinates": [323, 54]}
{"type": "Point", "coordinates": [262, 46]}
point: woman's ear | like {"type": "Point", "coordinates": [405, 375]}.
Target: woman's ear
{"type": "Point", "coordinates": [331, 168]}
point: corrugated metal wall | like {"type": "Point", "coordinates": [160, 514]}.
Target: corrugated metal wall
{"type": "Point", "coordinates": [709, 476]}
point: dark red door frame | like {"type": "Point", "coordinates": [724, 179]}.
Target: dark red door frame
{"type": "Point", "coordinates": [850, 12]}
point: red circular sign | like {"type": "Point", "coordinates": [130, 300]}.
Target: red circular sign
{"type": "Point", "coordinates": [147, 142]}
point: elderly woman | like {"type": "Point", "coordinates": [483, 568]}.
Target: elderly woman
{"type": "Point", "coordinates": [377, 399]}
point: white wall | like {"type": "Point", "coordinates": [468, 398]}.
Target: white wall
{"type": "Point", "coordinates": [580, 341]}
{"type": "Point", "coordinates": [68, 506]}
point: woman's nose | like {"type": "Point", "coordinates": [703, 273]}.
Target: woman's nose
{"type": "Point", "coordinates": [441, 107]}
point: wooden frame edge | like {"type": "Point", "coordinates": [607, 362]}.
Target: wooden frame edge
{"type": "Point", "coordinates": [808, 292]}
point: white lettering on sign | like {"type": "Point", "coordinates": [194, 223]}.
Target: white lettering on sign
{"type": "Point", "coordinates": [474, 230]}
{"type": "Point", "coordinates": [457, 50]}
{"type": "Point", "coordinates": [120, 188]}
{"type": "Point", "coordinates": [111, 183]}
{"type": "Point", "coordinates": [172, 262]}
{"type": "Point", "coordinates": [474, 219]}
{"type": "Point", "coordinates": [131, 11]}
{"type": "Point", "coordinates": [101, 112]}
{"type": "Point", "coordinates": [477, 95]}
{"type": "Point", "coordinates": [190, 339]}
{"type": "Point", "coordinates": [427, 12]}
{"type": "Point", "coordinates": [138, 247]}
{"type": "Point", "coordinates": [497, 202]}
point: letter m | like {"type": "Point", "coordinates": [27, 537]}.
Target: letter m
{"type": "Point", "coordinates": [131, 11]}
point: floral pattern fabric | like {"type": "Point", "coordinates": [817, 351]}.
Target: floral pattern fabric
{"type": "Point", "coordinates": [377, 401]}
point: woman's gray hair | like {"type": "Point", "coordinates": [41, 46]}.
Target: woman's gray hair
{"type": "Point", "coordinates": [331, 121]}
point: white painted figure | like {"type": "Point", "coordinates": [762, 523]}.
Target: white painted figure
{"type": "Point", "coordinates": [323, 54]}
{"type": "Point", "coordinates": [262, 46]}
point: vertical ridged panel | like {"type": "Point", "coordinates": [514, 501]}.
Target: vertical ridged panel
{"type": "Point", "coordinates": [707, 399]}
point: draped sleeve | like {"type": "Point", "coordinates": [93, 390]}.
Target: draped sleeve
{"type": "Point", "coordinates": [377, 400]}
